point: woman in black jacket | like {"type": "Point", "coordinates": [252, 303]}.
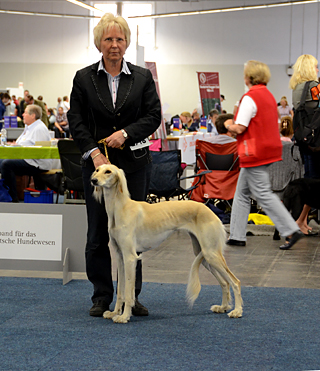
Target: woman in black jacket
{"type": "Point", "coordinates": [114, 101]}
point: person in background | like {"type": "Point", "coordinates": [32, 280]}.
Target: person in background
{"type": "Point", "coordinates": [59, 100]}
{"type": "Point", "coordinates": [35, 130]}
{"type": "Point", "coordinates": [286, 129]}
{"type": "Point", "coordinates": [2, 107]}
{"type": "Point", "coordinates": [306, 69]}
{"type": "Point", "coordinates": [259, 144]}
{"type": "Point", "coordinates": [218, 105]}
{"type": "Point", "coordinates": [17, 103]}
{"type": "Point", "coordinates": [30, 100]}
{"type": "Point", "coordinates": [61, 126]}
{"type": "Point", "coordinates": [223, 136]}
{"type": "Point", "coordinates": [65, 104]}
{"type": "Point", "coordinates": [284, 108]}
{"type": "Point", "coordinates": [52, 118]}
{"type": "Point", "coordinates": [10, 106]}
{"type": "Point", "coordinates": [186, 119]}
{"type": "Point", "coordinates": [195, 122]}
{"type": "Point", "coordinates": [15, 100]}
{"type": "Point", "coordinates": [211, 125]}
{"type": "Point", "coordinates": [22, 103]}
{"type": "Point", "coordinates": [115, 102]}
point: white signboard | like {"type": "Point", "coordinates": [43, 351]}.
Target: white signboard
{"type": "Point", "coordinates": [30, 236]}
{"type": "Point", "coordinates": [187, 144]}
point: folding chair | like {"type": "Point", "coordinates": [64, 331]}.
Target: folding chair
{"type": "Point", "coordinates": [70, 157]}
{"type": "Point", "coordinates": [166, 177]}
{"type": "Point", "coordinates": [221, 182]}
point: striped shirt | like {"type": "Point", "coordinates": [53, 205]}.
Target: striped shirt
{"type": "Point", "coordinates": [113, 84]}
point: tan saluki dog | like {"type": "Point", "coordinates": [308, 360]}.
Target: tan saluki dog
{"type": "Point", "coordinates": [139, 226]}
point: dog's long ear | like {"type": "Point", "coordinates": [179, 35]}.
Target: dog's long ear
{"type": "Point", "coordinates": [122, 185]}
{"type": "Point", "coordinates": [97, 193]}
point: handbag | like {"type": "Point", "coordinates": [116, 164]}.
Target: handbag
{"type": "Point", "coordinates": [4, 193]}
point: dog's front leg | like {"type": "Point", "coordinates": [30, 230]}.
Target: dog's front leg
{"type": "Point", "coordinates": [120, 286]}
{"type": "Point", "coordinates": [130, 263]}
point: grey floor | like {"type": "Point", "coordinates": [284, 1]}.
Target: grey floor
{"type": "Point", "coordinates": [260, 263]}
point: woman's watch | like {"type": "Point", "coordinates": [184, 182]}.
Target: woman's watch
{"type": "Point", "coordinates": [124, 133]}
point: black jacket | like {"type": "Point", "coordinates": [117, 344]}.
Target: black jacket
{"type": "Point", "coordinates": [92, 116]}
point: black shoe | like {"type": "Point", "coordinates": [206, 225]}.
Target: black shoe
{"type": "Point", "coordinates": [291, 241]}
{"type": "Point", "coordinates": [98, 308]}
{"type": "Point", "coordinates": [232, 242]}
{"type": "Point", "coordinates": [139, 310]}
{"type": "Point", "coordinates": [311, 233]}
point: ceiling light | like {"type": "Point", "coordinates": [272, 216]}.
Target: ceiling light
{"type": "Point", "coordinates": [18, 12]}
{"type": "Point", "coordinates": [83, 5]}
{"type": "Point", "coordinates": [225, 10]}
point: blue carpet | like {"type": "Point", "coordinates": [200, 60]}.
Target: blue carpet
{"type": "Point", "coordinates": [46, 326]}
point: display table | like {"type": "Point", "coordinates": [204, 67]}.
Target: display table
{"type": "Point", "coordinates": [33, 152]}
{"type": "Point", "coordinates": [187, 144]}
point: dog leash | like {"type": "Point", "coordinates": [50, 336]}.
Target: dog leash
{"type": "Point", "coordinates": [103, 141]}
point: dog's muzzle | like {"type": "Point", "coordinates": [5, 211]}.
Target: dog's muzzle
{"type": "Point", "coordinates": [94, 181]}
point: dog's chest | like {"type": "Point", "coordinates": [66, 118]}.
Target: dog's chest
{"type": "Point", "coordinates": [143, 240]}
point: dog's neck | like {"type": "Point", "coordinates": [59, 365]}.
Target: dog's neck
{"type": "Point", "coordinates": [113, 196]}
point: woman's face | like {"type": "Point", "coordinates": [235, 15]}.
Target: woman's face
{"type": "Point", "coordinates": [113, 45]}
{"type": "Point", "coordinates": [183, 119]}
{"type": "Point", "coordinates": [317, 69]}
{"type": "Point", "coordinates": [283, 103]}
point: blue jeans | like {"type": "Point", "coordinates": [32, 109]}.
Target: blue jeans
{"type": "Point", "coordinates": [10, 168]}
{"type": "Point", "coordinates": [98, 260]}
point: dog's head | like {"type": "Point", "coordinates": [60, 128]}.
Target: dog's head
{"type": "Point", "coordinates": [108, 177]}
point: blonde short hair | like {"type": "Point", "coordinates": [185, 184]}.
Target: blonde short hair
{"type": "Point", "coordinates": [107, 21]}
{"type": "Point", "coordinates": [34, 110]}
{"type": "Point", "coordinates": [304, 70]}
{"type": "Point", "coordinates": [257, 72]}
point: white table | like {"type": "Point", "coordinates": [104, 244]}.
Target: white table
{"type": "Point", "coordinates": [187, 144]}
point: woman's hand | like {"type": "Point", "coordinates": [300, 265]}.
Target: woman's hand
{"type": "Point", "coordinates": [116, 140]}
{"type": "Point", "coordinates": [99, 159]}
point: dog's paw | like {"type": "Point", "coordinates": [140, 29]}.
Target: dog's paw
{"type": "Point", "coordinates": [108, 315]}
{"type": "Point", "coordinates": [121, 319]}
{"type": "Point", "coordinates": [236, 313]}
{"type": "Point", "coordinates": [220, 308]}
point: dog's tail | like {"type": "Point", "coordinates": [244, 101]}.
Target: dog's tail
{"type": "Point", "coordinates": [194, 285]}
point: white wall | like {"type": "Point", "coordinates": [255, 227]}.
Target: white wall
{"type": "Point", "coordinates": [44, 52]}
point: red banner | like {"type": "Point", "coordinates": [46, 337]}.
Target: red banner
{"type": "Point", "coordinates": [209, 91]}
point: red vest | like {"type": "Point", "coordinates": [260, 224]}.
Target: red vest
{"type": "Point", "coordinates": [260, 143]}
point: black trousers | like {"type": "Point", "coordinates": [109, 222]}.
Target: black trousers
{"type": "Point", "coordinates": [98, 259]}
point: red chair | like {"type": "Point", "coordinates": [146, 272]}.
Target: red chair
{"type": "Point", "coordinates": [221, 182]}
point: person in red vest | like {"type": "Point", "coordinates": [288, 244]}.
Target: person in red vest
{"type": "Point", "coordinates": [259, 145]}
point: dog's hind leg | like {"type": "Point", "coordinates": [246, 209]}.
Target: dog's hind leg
{"type": "Point", "coordinates": [225, 287]}
{"type": "Point", "coordinates": [219, 264]}
{"type": "Point", "coordinates": [194, 285]}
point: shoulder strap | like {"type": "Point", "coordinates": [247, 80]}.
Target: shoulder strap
{"type": "Point", "coordinates": [304, 94]}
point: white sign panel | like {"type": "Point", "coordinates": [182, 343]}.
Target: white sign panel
{"type": "Point", "coordinates": [30, 236]}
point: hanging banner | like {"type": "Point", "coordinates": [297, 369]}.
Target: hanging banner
{"type": "Point", "coordinates": [209, 87]}
{"type": "Point", "coordinates": [161, 132]}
